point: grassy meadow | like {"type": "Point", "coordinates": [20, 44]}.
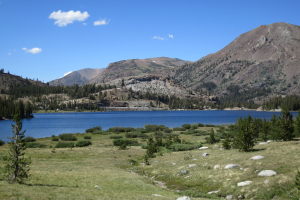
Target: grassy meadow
{"type": "Point", "coordinates": [103, 171]}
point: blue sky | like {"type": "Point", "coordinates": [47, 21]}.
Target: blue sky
{"type": "Point", "coordinates": [46, 38]}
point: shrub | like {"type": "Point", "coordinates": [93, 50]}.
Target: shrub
{"type": "Point", "coordinates": [297, 181]}
{"type": "Point", "coordinates": [35, 145]}
{"type": "Point", "coordinates": [168, 130]}
{"type": "Point", "coordinates": [178, 129]}
{"type": "Point", "coordinates": [211, 139]}
{"type": "Point", "coordinates": [116, 137]}
{"type": "Point", "coordinates": [29, 139]}
{"type": "Point", "coordinates": [153, 128]}
{"type": "Point", "coordinates": [83, 143]}
{"type": "Point", "coordinates": [2, 142]}
{"type": "Point", "coordinates": [94, 130]}
{"type": "Point", "coordinates": [186, 126]}
{"type": "Point", "coordinates": [120, 129]}
{"type": "Point", "coordinates": [64, 145]}
{"type": "Point", "coordinates": [87, 137]}
{"type": "Point", "coordinates": [200, 125]}
{"type": "Point", "coordinates": [194, 126]}
{"type": "Point", "coordinates": [67, 137]}
{"type": "Point", "coordinates": [131, 135]}
{"type": "Point", "coordinates": [127, 142]}
{"type": "Point", "coordinates": [183, 147]}
{"type": "Point", "coordinates": [55, 138]}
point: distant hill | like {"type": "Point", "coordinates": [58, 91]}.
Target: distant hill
{"type": "Point", "coordinates": [261, 62]}
{"type": "Point", "coordinates": [7, 81]}
{"type": "Point", "coordinates": [137, 67]}
{"type": "Point", "coordinates": [79, 77]}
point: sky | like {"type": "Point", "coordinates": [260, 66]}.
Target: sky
{"type": "Point", "coordinates": [44, 39]}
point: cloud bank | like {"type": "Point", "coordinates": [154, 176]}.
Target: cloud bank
{"type": "Point", "coordinates": [62, 18]}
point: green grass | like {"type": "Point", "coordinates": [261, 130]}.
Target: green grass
{"type": "Point", "coordinates": [101, 171]}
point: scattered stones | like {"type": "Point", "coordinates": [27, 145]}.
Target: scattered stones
{"type": "Point", "coordinates": [217, 167]}
{"type": "Point", "coordinates": [267, 173]}
{"type": "Point", "coordinates": [192, 165]}
{"type": "Point", "coordinates": [205, 154]}
{"type": "Point", "coordinates": [213, 192]}
{"type": "Point", "coordinates": [229, 197]}
{"type": "Point", "coordinates": [244, 183]}
{"type": "Point", "coordinates": [202, 148]}
{"type": "Point", "coordinates": [257, 157]}
{"type": "Point", "coordinates": [231, 166]}
{"type": "Point", "coordinates": [184, 172]}
{"type": "Point", "coordinates": [183, 198]}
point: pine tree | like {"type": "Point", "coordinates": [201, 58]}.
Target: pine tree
{"type": "Point", "coordinates": [17, 167]}
{"type": "Point", "coordinates": [211, 139]}
{"type": "Point", "coordinates": [247, 133]}
{"type": "Point", "coordinates": [286, 125]}
{"type": "Point", "coordinates": [297, 125]}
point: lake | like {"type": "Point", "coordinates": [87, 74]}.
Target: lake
{"type": "Point", "coordinates": [45, 125]}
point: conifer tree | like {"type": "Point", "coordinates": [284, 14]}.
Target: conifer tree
{"type": "Point", "coordinates": [297, 125]}
{"type": "Point", "coordinates": [286, 125]}
{"type": "Point", "coordinates": [17, 167]}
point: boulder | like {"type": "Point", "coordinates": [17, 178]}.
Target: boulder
{"type": "Point", "coordinates": [192, 165]}
{"type": "Point", "coordinates": [183, 198]}
{"type": "Point", "coordinates": [205, 154]}
{"type": "Point", "coordinates": [184, 172]}
{"type": "Point", "coordinates": [267, 173]}
{"type": "Point", "coordinates": [244, 183]}
{"type": "Point", "coordinates": [229, 197]}
{"type": "Point", "coordinates": [202, 148]}
{"type": "Point", "coordinates": [217, 167]}
{"type": "Point", "coordinates": [231, 166]}
{"type": "Point", "coordinates": [213, 192]}
{"type": "Point", "coordinates": [257, 157]}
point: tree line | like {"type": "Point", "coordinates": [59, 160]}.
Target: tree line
{"type": "Point", "coordinates": [9, 107]}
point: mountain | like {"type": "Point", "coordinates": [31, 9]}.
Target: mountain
{"type": "Point", "coordinates": [261, 62]}
{"type": "Point", "coordinates": [79, 77]}
{"type": "Point", "coordinates": [9, 81]}
{"type": "Point", "coordinates": [137, 67]}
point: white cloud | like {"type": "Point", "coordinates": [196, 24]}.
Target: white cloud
{"type": "Point", "coordinates": [171, 36]}
{"type": "Point", "coordinates": [158, 38]}
{"type": "Point", "coordinates": [34, 50]}
{"type": "Point", "coordinates": [101, 22]}
{"type": "Point", "coordinates": [65, 18]}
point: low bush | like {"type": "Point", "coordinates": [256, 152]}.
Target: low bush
{"type": "Point", "coordinates": [35, 145]}
{"type": "Point", "coordinates": [186, 126]}
{"type": "Point", "coordinates": [153, 128]}
{"type": "Point", "coordinates": [127, 142]}
{"type": "Point", "coordinates": [55, 138]}
{"type": "Point", "coordinates": [29, 139]}
{"type": "Point", "coordinates": [120, 129]}
{"type": "Point", "coordinates": [200, 125]}
{"type": "Point", "coordinates": [2, 142]}
{"type": "Point", "coordinates": [65, 145]}
{"type": "Point", "coordinates": [67, 137]}
{"type": "Point", "coordinates": [116, 137]}
{"type": "Point", "coordinates": [194, 126]}
{"type": "Point", "coordinates": [178, 129]}
{"type": "Point", "coordinates": [136, 135]}
{"type": "Point", "coordinates": [87, 137]}
{"type": "Point", "coordinates": [183, 147]}
{"type": "Point", "coordinates": [83, 143]}
{"type": "Point", "coordinates": [96, 129]}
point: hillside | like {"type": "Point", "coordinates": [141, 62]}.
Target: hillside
{"type": "Point", "coordinates": [137, 67]}
{"type": "Point", "coordinates": [79, 77]}
{"type": "Point", "coordinates": [9, 81]}
{"type": "Point", "coordinates": [261, 62]}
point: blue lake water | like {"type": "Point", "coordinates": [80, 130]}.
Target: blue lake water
{"type": "Point", "coordinates": [45, 125]}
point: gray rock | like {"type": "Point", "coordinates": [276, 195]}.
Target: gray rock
{"type": "Point", "coordinates": [184, 172]}
{"type": "Point", "coordinates": [267, 173]}
{"type": "Point", "coordinates": [217, 167]}
{"type": "Point", "coordinates": [244, 183]}
{"type": "Point", "coordinates": [262, 143]}
{"type": "Point", "coordinates": [183, 198]}
{"type": "Point", "coordinates": [213, 192]}
{"type": "Point", "coordinates": [156, 195]}
{"type": "Point", "coordinates": [229, 197]}
{"type": "Point", "coordinates": [257, 157]}
{"type": "Point", "coordinates": [192, 165]}
{"type": "Point", "coordinates": [231, 166]}
{"type": "Point", "coordinates": [202, 148]}
{"type": "Point", "coordinates": [205, 154]}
